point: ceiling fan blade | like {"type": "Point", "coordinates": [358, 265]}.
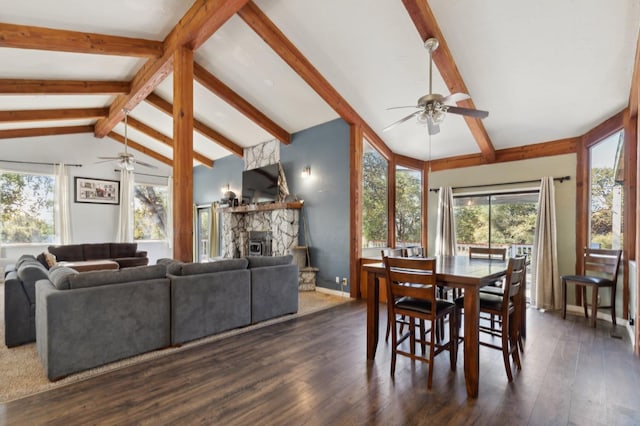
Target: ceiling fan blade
{"type": "Point", "coordinates": [455, 97]}
{"type": "Point", "coordinates": [400, 107]}
{"type": "Point", "coordinates": [108, 158]}
{"type": "Point", "coordinates": [142, 163]}
{"type": "Point", "coordinates": [402, 120]}
{"type": "Point", "coordinates": [475, 113]}
{"type": "Point", "coordinates": [432, 127]}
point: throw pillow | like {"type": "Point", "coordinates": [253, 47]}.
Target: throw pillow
{"type": "Point", "coordinates": [50, 258]}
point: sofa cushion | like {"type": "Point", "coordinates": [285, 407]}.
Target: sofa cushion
{"type": "Point", "coordinates": [25, 258]}
{"type": "Point", "coordinates": [67, 252]}
{"type": "Point", "coordinates": [59, 276]}
{"type": "Point", "coordinates": [128, 262]}
{"type": "Point", "coordinates": [95, 251]}
{"type": "Point", "coordinates": [117, 250]}
{"type": "Point", "coordinates": [260, 261]}
{"type": "Point", "coordinates": [209, 267]}
{"type": "Point", "coordinates": [99, 278]}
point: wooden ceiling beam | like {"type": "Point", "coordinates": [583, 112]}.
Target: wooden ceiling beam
{"type": "Point", "coordinates": [202, 19]}
{"type": "Point", "coordinates": [52, 114]}
{"type": "Point", "coordinates": [203, 129]}
{"type": "Point", "coordinates": [211, 82]}
{"type": "Point", "coordinates": [13, 86]}
{"type": "Point", "coordinates": [635, 84]}
{"type": "Point", "coordinates": [141, 148]}
{"type": "Point", "coordinates": [271, 34]}
{"type": "Point", "coordinates": [525, 152]}
{"type": "Point", "coordinates": [40, 38]}
{"type": "Point", "coordinates": [44, 131]}
{"type": "Point", "coordinates": [155, 134]}
{"type": "Point", "coordinates": [427, 26]}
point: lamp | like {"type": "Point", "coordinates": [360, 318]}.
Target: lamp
{"type": "Point", "coordinates": [306, 172]}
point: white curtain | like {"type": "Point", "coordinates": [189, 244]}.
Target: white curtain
{"type": "Point", "coordinates": [214, 235]}
{"type": "Point", "coordinates": [125, 219]}
{"type": "Point", "coordinates": [446, 225]}
{"type": "Point", "coordinates": [546, 290]}
{"type": "Point", "coordinates": [169, 225]}
{"type": "Point", "coordinates": [62, 204]}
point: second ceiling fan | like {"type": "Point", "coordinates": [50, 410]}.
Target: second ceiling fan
{"type": "Point", "coordinates": [433, 107]}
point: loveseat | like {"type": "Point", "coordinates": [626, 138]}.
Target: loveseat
{"type": "Point", "coordinates": [20, 300]}
{"type": "Point", "coordinates": [87, 319]}
{"type": "Point", "coordinates": [125, 254]}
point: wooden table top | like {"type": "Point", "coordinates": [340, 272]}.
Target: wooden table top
{"type": "Point", "coordinates": [460, 270]}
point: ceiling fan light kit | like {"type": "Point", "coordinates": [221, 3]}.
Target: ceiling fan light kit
{"type": "Point", "coordinates": [432, 107]}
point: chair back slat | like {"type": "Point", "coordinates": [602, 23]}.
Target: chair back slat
{"type": "Point", "coordinates": [514, 281]}
{"type": "Point", "coordinates": [487, 253]}
{"type": "Point", "coordinates": [411, 277]}
{"type": "Point", "coordinates": [392, 252]}
{"type": "Point", "coordinates": [414, 252]}
{"type": "Point", "coordinates": [602, 262]}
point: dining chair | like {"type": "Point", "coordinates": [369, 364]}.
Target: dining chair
{"type": "Point", "coordinates": [507, 307]}
{"type": "Point", "coordinates": [498, 253]}
{"type": "Point", "coordinates": [600, 268]}
{"type": "Point", "coordinates": [414, 252]}
{"type": "Point", "coordinates": [411, 282]}
{"type": "Point", "coordinates": [390, 252]}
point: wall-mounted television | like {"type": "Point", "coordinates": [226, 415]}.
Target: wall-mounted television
{"type": "Point", "coordinates": [260, 185]}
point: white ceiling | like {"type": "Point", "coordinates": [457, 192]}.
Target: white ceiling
{"type": "Point", "coordinates": [545, 70]}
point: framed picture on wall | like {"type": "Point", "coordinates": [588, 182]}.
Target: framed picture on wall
{"type": "Point", "coordinates": [96, 191]}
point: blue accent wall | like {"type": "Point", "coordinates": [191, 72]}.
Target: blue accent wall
{"type": "Point", "coordinates": [325, 149]}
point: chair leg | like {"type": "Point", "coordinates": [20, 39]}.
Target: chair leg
{"type": "Point", "coordinates": [613, 306]}
{"type": "Point", "coordinates": [505, 348]}
{"type": "Point", "coordinates": [453, 340]}
{"type": "Point", "coordinates": [513, 340]}
{"type": "Point", "coordinates": [432, 348]}
{"type": "Point", "coordinates": [584, 300]}
{"type": "Point", "coordinates": [422, 337]}
{"type": "Point", "coordinates": [594, 305]}
{"type": "Point", "coordinates": [394, 345]}
{"type": "Point", "coordinates": [564, 299]}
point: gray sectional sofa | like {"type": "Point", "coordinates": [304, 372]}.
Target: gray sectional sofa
{"type": "Point", "coordinates": [84, 320]}
{"type": "Point", "coordinates": [20, 300]}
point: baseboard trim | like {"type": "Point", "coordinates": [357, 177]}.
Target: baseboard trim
{"type": "Point", "coordinates": [579, 310]}
{"type": "Point", "coordinates": [332, 292]}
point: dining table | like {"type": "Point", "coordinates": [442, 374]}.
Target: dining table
{"type": "Point", "coordinates": [451, 271]}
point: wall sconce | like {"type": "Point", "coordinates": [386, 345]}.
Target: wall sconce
{"type": "Point", "coordinates": [306, 172]}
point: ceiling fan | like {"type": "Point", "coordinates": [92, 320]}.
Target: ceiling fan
{"type": "Point", "coordinates": [433, 107]}
{"type": "Point", "coordinates": [125, 159]}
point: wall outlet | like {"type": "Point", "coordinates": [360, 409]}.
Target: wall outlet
{"type": "Point", "coordinates": [337, 280]}
{"type": "Point", "coordinates": [344, 282]}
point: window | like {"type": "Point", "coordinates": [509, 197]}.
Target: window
{"type": "Point", "coordinates": [408, 207]}
{"type": "Point", "coordinates": [606, 174]}
{"type": "Point", "coordinates": [150, 212]}
{"type": "Point", "coordinates": [374, 198]}
{"type": "Point", "coordinates": [496, 220]}
{"type": "Point", "coordinates": [204, 221]}
{"type": "Point", "coordinates": [26, 201]}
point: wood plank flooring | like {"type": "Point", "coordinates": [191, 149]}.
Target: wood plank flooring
{"type": "Point", "coordinates": [313, 371]}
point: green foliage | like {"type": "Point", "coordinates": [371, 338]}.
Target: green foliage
{"type": "Point", "coordinates": [374, 197]}
{"type": "Point", "coordinates": [408, 207]}
{"type": "Point", "coordinates": [513, 223]}
{"type": "Point", "coordinates": [149, 215]}
{"type": "Point", "coordinates": [472, 224]}
{"type": "Point", "coordinates": [602, 185]}
{"type": "Point", "coordinates": [27, 208]}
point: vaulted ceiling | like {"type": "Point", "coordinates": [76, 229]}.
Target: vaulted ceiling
{"type": "Point", "coordinates": [545, 70]}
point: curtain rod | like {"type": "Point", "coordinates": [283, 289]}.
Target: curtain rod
{"type": "Point", "coordinates": [142, 174]}
{"type": "Point", "coordinates": [559, 179]}
{"type": "Point", "coordinates": [38, 163]}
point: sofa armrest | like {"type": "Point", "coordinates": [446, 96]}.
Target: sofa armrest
{"type": "Point", "coordinates": [83, 328]}
{"type": "Point", "coordinates": [274, 291]}
{"type": "Point", "coordinates": [19, 327]}
{"type": "Point", "coordinates": [141, 253]}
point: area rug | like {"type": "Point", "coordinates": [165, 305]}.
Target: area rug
{"type": "Point", "coordinates": [22, 373]}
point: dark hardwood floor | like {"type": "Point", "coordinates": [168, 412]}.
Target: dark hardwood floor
{"type": "Point", "coordinates": [313, 371]}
